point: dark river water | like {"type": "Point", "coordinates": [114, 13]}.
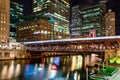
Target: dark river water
{"type": "Point", "coordinates": [49, 68]}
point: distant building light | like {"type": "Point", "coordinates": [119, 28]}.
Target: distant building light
{"type": "Point", "coordinates": [37, 32]}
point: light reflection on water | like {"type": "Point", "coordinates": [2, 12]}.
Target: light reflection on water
{"type": "Point", "coordinates": [4, 72]}
{"type": "Point", "coordinates": [50, 68]}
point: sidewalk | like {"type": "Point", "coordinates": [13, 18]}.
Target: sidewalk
{"type": "Point", "coordinates": [115, 76]}
{"type": "Point", "coordinates": [107, 73]}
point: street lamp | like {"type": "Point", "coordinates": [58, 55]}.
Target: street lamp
{"type": "Point", "coordinates": [87, 74]}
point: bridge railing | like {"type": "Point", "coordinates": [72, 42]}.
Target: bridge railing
{"type": "Point", "coordinates": [76, 46]}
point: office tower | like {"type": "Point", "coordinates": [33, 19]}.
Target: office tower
{"type": "Point", "coordinates": [34, 31]}
{"type": "Point", "coordinates": [4, 20]}
{"type": "Point", "coordinates": [16, 15]}
{"type": "Point", "coordinates": [115, 6]}
{"type": "Point", "coordinates": [104, 6]}
{"type": "Point", "coordinates": [55, 12]}
{"type": "Point", "coordinates": [110, 23]}
{"type": "Point", "coordinates": [54, 9]}
{"type": "Point", "coordinates": [86, 20]}
{"type": "Point", "coordinates": [76, 22]}
{"type": "Point", "coordinates": [92, 20]}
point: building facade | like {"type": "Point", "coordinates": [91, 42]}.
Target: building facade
{"type": "Point", "coordinates": [115, 6]}
{"type": "Point", "coordinates": [12, 51]}
{"type": "Point", "coordinates": [54, 9]}
{"type": "Point", "coordinates": [16, 15]}
{"type": "Point", "coordinates": [85, 20]}
{"type": "Point", "coordinates": [4, 20]}
{"type": "Point", "coordinates": [38, 30]}
{"type": "Point", "coordinates": [92, 20]}
{"type": "Point", "coordinates": [110, 23]}
{"type": "Point", "coordinates": [34, 31]}
{"type": "Point", "coordinates": [76, 22]}
{"type": "Point", "coordinates": [56, 16]}
{"type": "Point", "coordinates": [8, 50]}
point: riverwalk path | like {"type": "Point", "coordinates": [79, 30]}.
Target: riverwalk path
{"type": "Point", "coordinates": [115, 76]}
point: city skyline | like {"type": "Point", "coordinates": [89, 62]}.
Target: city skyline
{"type": "Point", "coordinates": [113, 4]}
{"type": "Point", "coordinates": [30, 10]}
{"type": "Point", "coordinates": [55, 40]}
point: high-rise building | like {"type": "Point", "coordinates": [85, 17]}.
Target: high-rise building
{"type": "Point", "coordinates": [55, 9]}
{"type": "Point", "coordinates": [92, 19]}
{"type": "Point", "coordinates": [37, 30]}
{"type": "Point", "coordinates": [76, 22]}
{"type": "Point", "coordinates": [4, 20]}
{"type": "Point", "coordinates": [34, 31]}
{"type": "Point", "coordinates": [104, 5]}
{"type": "Point", "coordinates": [115, 6]}
{"type": "Point", "coordinates": [84, 15]}
{"type": "Point", "coordinates": [85, 20]}
{"type": "Point", "coordinates": [57, 14]}
{"type": "Point", "coordinates": [16, 15]}
{"type": "Point", "coordinates": [110, 23]}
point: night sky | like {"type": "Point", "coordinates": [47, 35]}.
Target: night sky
{"type": "Point", "coordinates": [114, 4]}
{"type": "Point", "coordinates": [84, 3]}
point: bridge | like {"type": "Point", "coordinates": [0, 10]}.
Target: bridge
{"type": "Point", "coordinates": [102, 47]}
{"type": "Point", "coordinates": [96, 44]}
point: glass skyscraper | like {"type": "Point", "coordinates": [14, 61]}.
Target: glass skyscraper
{"type": "Point", "coordinates": [57, 14]}
{"type": "Point", "coordinates": [86, 20]}
{"type": "Point", "coordinates": [16, 15]}
{"type": "Point", "coordinates": [55, 9]}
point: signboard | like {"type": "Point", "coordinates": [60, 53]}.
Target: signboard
{"type": "Point", "coordinates": [92, 33]}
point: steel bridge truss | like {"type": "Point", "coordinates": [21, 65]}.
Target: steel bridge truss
{"type": "Point", "coordinates": [97, 45]}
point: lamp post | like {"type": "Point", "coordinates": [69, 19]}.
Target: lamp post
{"type": "Point", "coordinates": [87, 73]}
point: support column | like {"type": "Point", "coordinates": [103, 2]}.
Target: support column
{"type": "Point", "coordinates": [86, 60]}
